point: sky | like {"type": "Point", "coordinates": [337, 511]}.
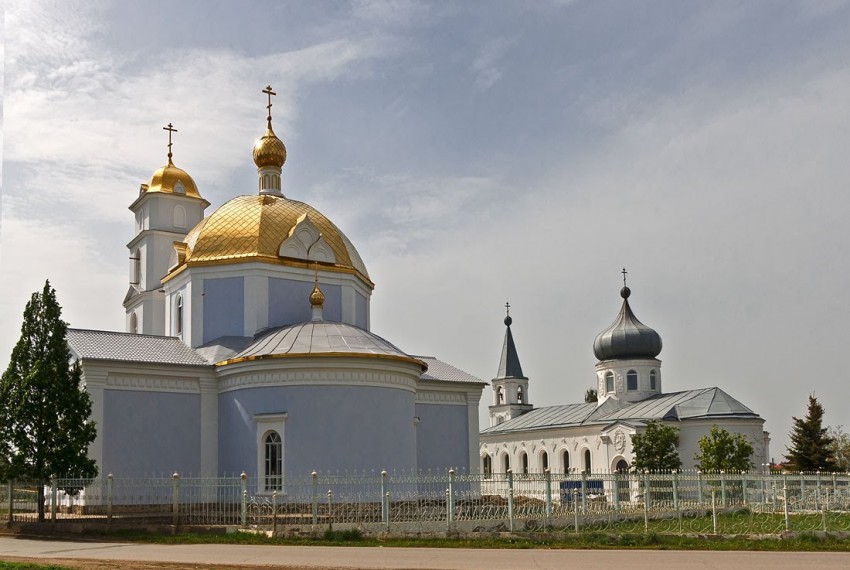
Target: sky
{"type": "Point", "coordinates": [475, 153]}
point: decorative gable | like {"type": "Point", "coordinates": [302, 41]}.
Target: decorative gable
{"type": "Point", "coordinates": [305, 237]}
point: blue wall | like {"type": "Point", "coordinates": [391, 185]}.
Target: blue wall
{"type": "Point", "coordinates": [289, 302]}
{"type": "Point", "coordinates": [224, 307]}
{"type": "Point", "coordinates": [442, 439]}
{"type": "Point", "coordinates": [151, 433]}
{"type": "Point", "coordinates": [341, 428]}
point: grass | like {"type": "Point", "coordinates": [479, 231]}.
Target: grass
{"type": "Point", "coordinates": [30, 566]}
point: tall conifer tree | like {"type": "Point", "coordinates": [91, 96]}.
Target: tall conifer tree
{"type": "Point", "coordinates": [45, 428]}
{"type": "Point", "coordinates": [811, 446]}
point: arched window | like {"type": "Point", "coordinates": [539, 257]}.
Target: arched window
{"type": "Point", "coordinates": [587, 461]}
{"type": "Point", "coordinates": [273, 462]}
{"type": "Point", "coordinates": [609, 381]}
{"type": "Point", "coordinates": [622, 466]}
{"type": "Point", "coordinates": [524, 462]}
{"type": "Point", "coordinates": [544, 460]}
{"type": "Point", "coordinates": [565, 461]}
{"type": "Point", "coordinates": [179, 216]}
{"type": "Point", "coordinates": [134, 323]}
{"type": "Point", "coordinates": [631, 380]}
{"type": "Point", "coordinates": [178, 315]}
{"type": "Point", "coordinates": [487, 466]}
{"type": "Point", "coordinates": [519, 395]}
{"type": "Point", "coordinates": [500, 396]}
{"type": "Point", "coordinates": [506, 462]}
{"type": "Point", "coordinates": [652, 381]}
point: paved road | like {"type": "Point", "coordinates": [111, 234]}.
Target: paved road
{"type": "Point", "coordinates": [419, 558]}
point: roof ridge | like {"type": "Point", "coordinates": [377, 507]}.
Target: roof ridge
{"type": "Point", "coordinates": [124, 333]}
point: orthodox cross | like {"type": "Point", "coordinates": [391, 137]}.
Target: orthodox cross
{"type": "Point", "coordinates": [268, 91]}
{"type": "Point", "coordinates": [170, 128]}
{"type": "Point", "coordinates": [624, 276]}
{"type": "Point", "coordinates": [507, 308]}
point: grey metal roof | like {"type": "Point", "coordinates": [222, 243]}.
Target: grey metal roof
{"type": "Point", "coordinates": [444, 372]}
{"type": "Point", "coordinates": [318, 338]}
{"type": "Point", "coordinates": [129, 347]}
{"type": "Point", "coordinates": [509, 366]}
{"type": "Point", "coordinates": [690, 404]}
{"type": "Point", "coordinates": [627, 337]}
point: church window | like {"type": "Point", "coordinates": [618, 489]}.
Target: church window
{"type": "Point", "coordinates": [500, 396]}
{"type": "Point", "coordinates": [487, 467]}
{"type": "Point", "coordinates": [565, 461]}
{"type": "Point", "coordinates": [274, 462]}
{"type": "Point", "coordinates": [525, 463]}
{"type": "Point", "coordinates": [631, 380]}
{"type": "Point", "coordinates": [652, 381]}
{"type": "Point", "coordinates": [134, 323]}
{"type": "Point", "coordinates": [622, 466]}
{"type": "Point", "coordinates": [135, 267]}
{"type": "Point", "coordinates": [179, 216]}
{"type": "Point", "coordinates": [519, 395]}
{"type": "Point", "coordinates": [544, 460]}
{"type": "Point", "coordinates": [506, 461]}
{"type": "Point", "coordinates": [178, 315]}
{"type": "Point", "coordinates": [609, 381]}
{"type": "Point", "coordinates": [587, 461]}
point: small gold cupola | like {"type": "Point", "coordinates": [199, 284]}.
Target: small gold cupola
{"type": "Point", "coordinates": [317, 298]}
{"type": "Point", "coordinates": [269, 154]}
{"type": "Point", "coordinates": [170, 179]}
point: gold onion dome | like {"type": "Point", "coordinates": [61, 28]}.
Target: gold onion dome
{"type": "Point", "coordinates": [317, 298]}
{"type": "Point", "coordinates": [269, 150]}
{"type": "Point", "coordinates": [252, 228]}
{"type": "Point", "coordinates": [173, 180]}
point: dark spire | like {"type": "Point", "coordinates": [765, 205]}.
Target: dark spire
{"type": "Point", "coordinates": [509, 366]}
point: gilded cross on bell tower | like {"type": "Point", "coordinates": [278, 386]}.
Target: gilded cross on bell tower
{"type": "Point", "coordinates": [170, 128]}
{"type": "Point", "coordinates": [268, 91]}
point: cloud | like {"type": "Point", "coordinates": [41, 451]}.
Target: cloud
{"type": "Point", "coordinates": [486, 62]}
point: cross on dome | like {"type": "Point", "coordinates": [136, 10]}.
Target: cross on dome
{"type": "Point", "coordinates": [170, 128]}
{"type": "Point", "coordinates": [268, 91]}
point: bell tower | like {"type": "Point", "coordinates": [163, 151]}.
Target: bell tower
{"type": "Point", "coordinates": [165, 210]}
{"type": "Point", "coordinates": [510, 386]}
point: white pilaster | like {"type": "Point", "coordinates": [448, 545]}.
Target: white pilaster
{"type": "Point", "coordinates": [209, 426]}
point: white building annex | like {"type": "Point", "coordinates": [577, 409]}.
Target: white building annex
{"type": "Point", "coordinates": [248, 347]}
{"type": "Point", "coordinates": [596, 436]}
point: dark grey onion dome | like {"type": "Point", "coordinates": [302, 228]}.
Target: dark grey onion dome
{"type": "Point", "coordinates": [627, 337]}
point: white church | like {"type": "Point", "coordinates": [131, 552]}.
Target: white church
{"type": "Point", "coordinates": [248, 347]}
{"type": "Point", "coordinates": [595, 437]}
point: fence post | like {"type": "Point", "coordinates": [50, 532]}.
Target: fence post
{"type": "Point", "coordinates": [817, 490]}
{"type": "Point", "coordinates": [175, 498]}
{"type": "Point", "coordinates": [315, 505]}
{"type": "Point", "coordinates": [11, 488]}
{"type": "Point", "coordinates": [575, 508]}
{"type": "Point", "coordinates": [109, 498]}
{"type": "Point", "coordinates": [647, 498]}
{"type": "Point", "coordinates": [676, 498]}
{"type": "Point", "coordinates": [53, 499]}
{"type": "Point", "coordinates": [714, 509]}
{"type": "Point", "coordinates": [744, 487]}
{"type": "Point", "coordinates": [243, 510]}
{"type": "Point", "coordinates": [548, 484]}
{"type": "Point", "coordinates": [699, 487]}
{"type": "Point", "coordinates": [510, 500]}
{"type": "Point", "coordinates": [615, 488]}
{"type": "Point", "coordinates": [723, 489]}
{"type": "Point", "coordinates": [274, 513]}
{"type": "Point", "coordinates": [330, 510]}
{"type": "Point", "coordinates": [785, 500]}
{"type": "Point", "coordinates": [450, 503]}
{"type": "Point", "coordinates": [584, 492]}
{"type": "Point", "coordinates": [385, 501]}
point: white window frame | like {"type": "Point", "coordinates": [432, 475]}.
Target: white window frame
{"type": "Point", "coordinates": [267, 423]}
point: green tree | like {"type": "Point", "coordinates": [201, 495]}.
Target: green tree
{"type": "Point", "coordinates": [591, 395]}
{"type": "Point", "coordinates": [840, 447]}
{"type": "Point", "coordinates": [724, 451]}
{"type": "Point", "coordinates": [655, 449]}
{"type": "Point", "coordinates": [44, 419]}
{"type": "Point", "coordinates": [811, 446]}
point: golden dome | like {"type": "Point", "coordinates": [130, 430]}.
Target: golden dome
{"type": "Point", "coordinates": [317, 298]}
{"type": "Point", "coordinates": [172, 180]}
{"type": "Point", "coordinates": [269, 150]}
{"type": "Point", "coordinates": [252, 228]}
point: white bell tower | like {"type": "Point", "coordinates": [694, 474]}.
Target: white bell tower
{"type": "Point", "coordinates": [510, 386]}
{"type": "Point", "coordinates": [166, 209]}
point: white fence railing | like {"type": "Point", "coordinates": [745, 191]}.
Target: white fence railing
{"type": "Point", "coordinates": [449, 501]}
